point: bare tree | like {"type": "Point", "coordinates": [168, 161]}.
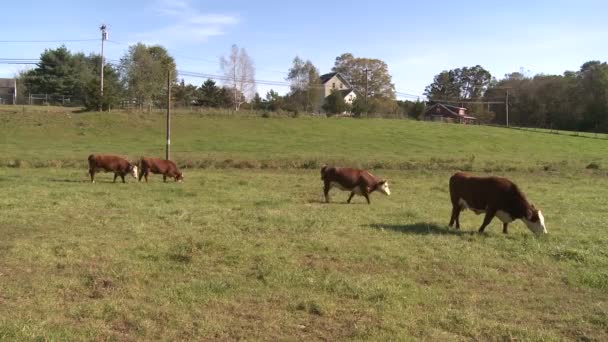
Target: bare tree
{"type": "Point", "coordinates": [239, 74]}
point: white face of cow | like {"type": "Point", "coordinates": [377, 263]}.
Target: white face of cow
{"type": "Point", "coordinates": [383, 188]}
{"type": "Point", "coordinates": [537, 223]}
{"type": "Point", "coordinates": [135, 171]}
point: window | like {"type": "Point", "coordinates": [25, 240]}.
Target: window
{"type": "Point", "coordinates": [341, 85]}
{"type": "Point", "coordinates": [333, 85]}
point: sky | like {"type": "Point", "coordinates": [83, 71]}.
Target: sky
{"type": "Point", "coordinates": [417, 39]}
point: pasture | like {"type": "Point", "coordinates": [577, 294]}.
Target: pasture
{"type": "Point", "coordinates": [245, 248]}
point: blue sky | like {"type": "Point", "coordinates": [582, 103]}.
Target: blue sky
{"type": "Point", "coordinates": [417, 39]}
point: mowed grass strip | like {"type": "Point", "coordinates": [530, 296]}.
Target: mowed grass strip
{"type": "Point", "coordinates": [250, 254]}
{"type": "Point", "coordinates": [60, 139]}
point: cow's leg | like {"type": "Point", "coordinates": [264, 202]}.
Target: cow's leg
{"type": "Point", "coordinates": [350, 197]}
{"type": "Point", "coordinates": [165, 178]}
{"type": "Point", "coordinates": [146, 175]}
{"type": "Point", "coordinates": [326, 188]}
{"type": "Point", "coordinates": [490, 213]}
{"type": "Point", "coordinates": [122, 175]}
{"type": "Point", "coordinates": [455, 216]}
{"type": "Point", "coordinates": [504, 228]}
{"type": "Point", "coordinates": [115, 176]}
{"type": "Point", "coordinates": [92, 173]}
{"type": "Point", "coordinates": [141, 174]}
{"type": "Point", "coordinates": [366, 195]}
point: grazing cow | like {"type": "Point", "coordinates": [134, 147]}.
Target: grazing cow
{"type": "Point", "coordinates": [164, 167]}
{"type": "Point", "coordinates": [109, 163]}
{"type": "Point", "coordinates": [494, 196]}
{"type": "Point", "coordinates": [358, 182]}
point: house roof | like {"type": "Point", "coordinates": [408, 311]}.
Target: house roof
{"type": "Point", "coordinates": [326, 77]}
{"type": "Point", "coordinates": [453, 107]}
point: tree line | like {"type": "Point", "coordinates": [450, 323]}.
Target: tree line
{"type": "Point", "coordinates": [139, 80]}
{"type": "Point", "coordinates": [575, 100]}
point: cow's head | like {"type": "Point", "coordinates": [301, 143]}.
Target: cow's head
{"type": "Point", "coordinates": [179, 177]}
{"type": "Point", "coordinates": [383, 187]}
{"type": "Point", "coordinates": [535, 221]}
{"type": "Point", "coordinates": [134, 170]}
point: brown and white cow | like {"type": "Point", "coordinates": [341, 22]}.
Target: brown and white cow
{"type": "Point", "coordinates": [167, 168]}
{"type": "Point", "coordinates": [494, 196]}
{"type": "Point", "coordinates": [110, 163]}
{"type": "Point", "coordinates": [358, 182]}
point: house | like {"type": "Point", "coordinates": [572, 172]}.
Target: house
{"type": "Point", "coordinates": [448, 113]}
{"type": "Point", "coordinates": [335, 80]}
{"type": "Point", "coordinates": [8, 91]}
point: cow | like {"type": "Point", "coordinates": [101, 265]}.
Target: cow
{"type": "Point", "coordinates": [358, 182]}
{"type": "Point", "coordinates": [164, 167]}
{"type": "Point", "coordinates": [109, 163]}
{"type": "Point", "coordinates": [494, 196]}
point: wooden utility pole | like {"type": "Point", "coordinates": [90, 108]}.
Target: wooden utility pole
{"type": "Point", "coordinates": [507, 107]}
{"type": "Point", "coordinates": [366, 84]}
{"type": "Point", "coordinates": [104, 36]}
{"type": "Point", "coordinates": [168, 146]}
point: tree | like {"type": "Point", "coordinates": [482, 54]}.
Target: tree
{"type": "Point", "coordinates": [467, 83]}
{"type": "Point", "coordinates": [112, 89]}
{"type": "Point", "coordinates": [60, 72]}
{"type": "Point", "coordinates": [411, 109]}
{"type": "Point", "coordinates": [417, 110]}
{"type": "Point", "coordinates": [209, 94]}
{"type": "Point", "coordinates": [593, 81]}
{"type": "Point", "coordinates": [239, 72]}
{"type": "Point", "coordinates": [184, 94]}
{"type": "Point", "coordinates": [74, 77]}
{"type": "Point", "coordinates": [378, 79]}
{"type": "Point", "coordinates": [359, 107]}
{"type": "Point", "coordinates": [257, 102]}
{"type": "Point", "coordinates": [334, 103]}
{"type": "Point", "coordinates": [144, 72]}
{"type": "Point", "coordinates": [305, 85]}
{"type": "Point", "coordinates": [273, 101]}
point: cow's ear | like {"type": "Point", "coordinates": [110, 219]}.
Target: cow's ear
{"type": "Point", "coordinates": [382, 182]}
{"type": "Point", "coordinates": [532, 214]}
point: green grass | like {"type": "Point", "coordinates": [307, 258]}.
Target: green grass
{"type": "Point", "coordinates": [254, 254]}
{"type": "Point", "coordinates": [66, 139]}
{"type": "Point", "coordinates": [250, 254]}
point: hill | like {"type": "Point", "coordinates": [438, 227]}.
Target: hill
{"type": "Point", "coordinates": [58, 138]}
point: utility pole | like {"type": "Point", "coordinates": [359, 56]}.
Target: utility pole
{"type": "Point", "coordinates": [104, 37]}
{"type": "Point", "coordinates": [366, 84]}
{"type": "Point", "coordinates": [168, 146]}
{"type": "Point", "coordinates": [507, 107]}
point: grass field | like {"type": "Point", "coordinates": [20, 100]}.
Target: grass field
{"type": "Point", "coordinates": [254, 253]}
{"type": "Point", "coordinates": [66, 139]}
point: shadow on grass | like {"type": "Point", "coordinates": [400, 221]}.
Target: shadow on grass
{"type": "Point", "coordinates": [316, 201]}
{"type": "Point", "coordinates": [68, 180]}
{"type": "Point", "coordinates": [421, 228]}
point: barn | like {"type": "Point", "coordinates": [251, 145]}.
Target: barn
{"type": "Point", "coordinates": [448, 113]}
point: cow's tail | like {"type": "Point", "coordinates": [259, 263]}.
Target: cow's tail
{"type": "Point", "coordinates": [323, 169]}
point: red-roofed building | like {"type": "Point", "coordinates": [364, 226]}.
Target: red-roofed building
{"type": "Point", "coordinates": [447, 113]}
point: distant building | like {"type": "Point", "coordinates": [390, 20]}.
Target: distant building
{"type": "Point", "coordinates": [448, 113]}
{"type": "Point", "coordinates": [8, 91]}
{"type": "Point", "coordinates": [336, 81]}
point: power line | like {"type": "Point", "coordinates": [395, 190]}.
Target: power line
{"type": "Point", "coordinates": [49, 41]}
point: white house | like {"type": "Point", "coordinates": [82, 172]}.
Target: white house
{"type": "Point", "coordinates": [335, 80]}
